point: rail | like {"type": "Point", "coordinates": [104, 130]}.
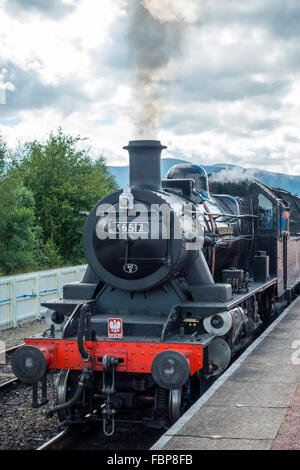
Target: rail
{"type": "Point", "coordinates": [59, 441]}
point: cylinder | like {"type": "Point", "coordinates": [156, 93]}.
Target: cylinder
{"type": "Point", "coordinates": [144, 163]}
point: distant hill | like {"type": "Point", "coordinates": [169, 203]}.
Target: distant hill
{"type": "Point", "coordinates": [277, 180]}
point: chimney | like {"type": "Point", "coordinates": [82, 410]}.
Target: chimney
{"type": "Point", "coordinates": [144, 163]}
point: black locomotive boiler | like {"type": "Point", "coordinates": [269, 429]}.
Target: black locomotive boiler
{"type": "Point", "coordinates": [181, 273]}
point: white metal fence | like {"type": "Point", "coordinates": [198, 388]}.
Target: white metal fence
{"type": "Point", "coordinates": [21, 295]}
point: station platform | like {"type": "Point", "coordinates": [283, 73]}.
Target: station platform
{"type": "Point", "coordinates": [255, 404]}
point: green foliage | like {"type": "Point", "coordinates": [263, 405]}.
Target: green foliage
{"type": "Point", "coordinates": [49, 256]}
{"type": "Point", "coordinates": [63, 181]}
{"type": "Point", "coordinates": [19, 233]}
{"type": "Point", "coordinates": [3, 154]}
{"type": "Point", "coordinates": [43, 186]}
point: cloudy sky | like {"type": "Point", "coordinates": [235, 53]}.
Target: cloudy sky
{"type": "Point", "coordinates": [225, 76]}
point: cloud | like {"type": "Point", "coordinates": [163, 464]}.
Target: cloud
{"type": "Point", "coordinates": [190, 120]}
{"type": "Point", "coordinates": [53, 8]}
{"type": "Point", "coordinates": [28, 92]}
{"type": "Point", "coordinates": [279, 18]}
{"type": "Point", "coordinates": [209, 87]}
{"type": "Point", "coordinates": [230, 85]}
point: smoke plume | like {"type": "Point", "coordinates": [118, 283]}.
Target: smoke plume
{"type": "Point", "coordinates": [156, 37]}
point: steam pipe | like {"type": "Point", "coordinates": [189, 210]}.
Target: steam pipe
{"type": "Point", "coordinates": [198, 271]}
{"type": "Point", "coordinates": [90, 277]}
{"type": "Point", "coordinates": [83, 353]}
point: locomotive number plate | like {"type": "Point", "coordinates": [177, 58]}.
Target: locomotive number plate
{"type": "Point", "coordinates": [225, 230]}
{"type": "Point", "coordinates": [128, 227]}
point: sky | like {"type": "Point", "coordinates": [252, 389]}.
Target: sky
{"type": "Point", "coordinates": [220, 77]}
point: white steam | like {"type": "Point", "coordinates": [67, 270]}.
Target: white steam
{"type": "Point", "coordinates": [229, 175]}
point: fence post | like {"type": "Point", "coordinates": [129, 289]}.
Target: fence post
{"type": "Point", "coordinates": [13, 303]}
{"type": "Point", "coordinates": [37, 293]}
{"type": "Point", "coordinates": [58, 282]}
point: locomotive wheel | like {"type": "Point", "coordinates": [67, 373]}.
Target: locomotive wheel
{"type": "Point", "coordinates": [65, 389]}
{"type": "Point", "coordinates": [61, 392]}
{"type": "Point", "coordinates": [175, 404]}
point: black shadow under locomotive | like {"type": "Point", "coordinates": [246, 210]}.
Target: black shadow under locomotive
{"type": "Point", "coordinates": [181, 274]}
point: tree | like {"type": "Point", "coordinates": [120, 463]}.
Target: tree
{"type": "Point", "coordinates": [19, 233]}
{"type": "Point", "coordinates": [63, 181]}
{"type": "Point", "coordinates": [49, 256]}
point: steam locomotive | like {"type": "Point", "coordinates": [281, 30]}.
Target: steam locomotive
{"type": "Point", "coordinates": [181, 274]}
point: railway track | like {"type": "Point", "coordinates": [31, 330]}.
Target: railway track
{"type": "Point", "coordinates": [7, 378]}
{"type": "Point", "coordinates": [92, 438]}
{"type": "Point", "coordinates": [8, 385]}
{"type": "Point", "coordinates": [59, 441]}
